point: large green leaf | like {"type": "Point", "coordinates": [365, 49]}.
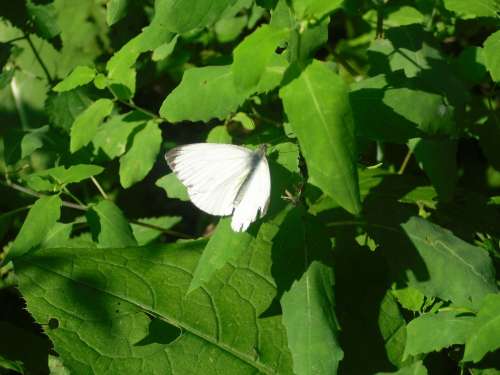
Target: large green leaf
{"type": "Point", "coordinates": [141, 156]}
{"type": "Point", "coordinates": [225, 245]}
{"type": "Point", "coordinates": [173, 187]}
{"type": "Point", "coordinates": [41, 218]}
{"type": "Point", "coordinates": [126, 311]}
{"type": "Point", "coordinates": [203, 94]}
{"type": "Point", "coordinates": [485, 333]}
{"type": "Point", "coordinates": [109, 226]}
{"type": "Point", "coordinates": [184, 15]}
{"type": "Point", "coordinates": [80, 76]}
{"type": "Point", "coordinates": [308, 304]}
{"type": "Point", "coordinates": [492, 56]}
{"type": "Point", "coordinates": [144, 234]}
{"type": "Point", "coordinates": [435, 331]}
{"type": "Point", "coordinates": [86, 124]}
{"type": "Point", "coordinates": [317, 105]}
{"type": "Point", "coordinates": [253, 54]}
{"type": "Point", "coordinates": [116, 10]}
{"type": "Point", "coordinates": [75, 173]}
{"type": "Point", "coordinates": [442, 255]}
{"type": "Point", "coordinates": [476, 8]}
{"type": "Point", "coordinates": [393, 329]}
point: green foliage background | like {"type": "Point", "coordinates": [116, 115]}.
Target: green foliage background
{"type": "Point", "coordinates": [380, 252]}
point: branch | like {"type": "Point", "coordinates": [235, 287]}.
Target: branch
{"type": "Point", "coordinates": [39, 59]}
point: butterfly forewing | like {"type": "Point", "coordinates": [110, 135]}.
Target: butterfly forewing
{"type": "Point", "coordinates": [212, 174]}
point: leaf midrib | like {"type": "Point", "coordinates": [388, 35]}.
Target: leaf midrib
{"type": "Point", "coordinates": [239, 355]}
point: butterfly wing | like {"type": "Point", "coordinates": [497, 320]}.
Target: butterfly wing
{"type": "Point", "coordinates": [253, 198]}
{"type": "Point", "coordinates": [212, 173]}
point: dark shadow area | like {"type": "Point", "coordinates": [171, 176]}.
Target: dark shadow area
{"type": "Point", "coordinates": [160, 332]}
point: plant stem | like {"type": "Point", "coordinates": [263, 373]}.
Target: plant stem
{"type": "Point", "coordinates": [15, 39]}
{"type": "Point", "coordinates": [39, 195]}
{"type": "Point", "coordinates": [405, 161]}
{"type": "Point", "coordinates": [66, 190]}
{"type": "Point", "coordinates": [39, 59]}
{"type": "Point", "coordinates": [99, 187]}
{"type": "Point", "coordinates": [380, 22]}
{"type": "Point", "coordinates": [132, 105]}
{"type": "Point", "coordinates": [166, 231]}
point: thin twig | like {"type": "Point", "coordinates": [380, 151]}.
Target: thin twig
{"type": "Point", "coordinates": [39, 195]}
{"type": "Point", "coordinates": [132, 105]}
{"type": "Point", "coordinates": [15, 39]}
{"type": "Point", "coordinates": [75, 198]}
{"type": "Point", "coordinates": [345, 64]}
{"type": "Point", "coordinates": [39, 59]}
{"type": "Point", "coordinates": [99, 187]}
{"type": "Point", "coordinates": [380, 22]}
{"type": "Point", "coordinates": [166, 231]}
{"type": "Point", "coordinates": [405, 161]}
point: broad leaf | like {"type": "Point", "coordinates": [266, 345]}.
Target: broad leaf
{"type": "Point", "coordinates": [471, 9]}
{"type": "Point", "coordinates": [253, 54]}
{"type": "Point", "coordinates": [219, 134]}
{"type": "Point", "coordinates": [314, 9]}
{"type": "Point", "coordinates": [443, 255]}
{"type": "Point", "coordinates": [145, 234]}
{"type": "Point", "coordinates": [75, 173]}
{"type": "Point", "coordinates": [308, 305]}
{"type": "Point", "coordinates": [86, 124]}
{"type": "Point", "coordinates": [141, 156]}
{"type": "Point", "coordinates": [433, 332]}
{"type": "Point", "coordinates": [44, 17]}
{"type": "Point", "coordinates": [181, 16]}
{"type": "Point", "coordinates": [41, 218]}
{"type": "Point", "coordinates": [173, 187]}
{"type": "Point", "coordinates": [130, 305]}
{"type": "Point", "coordinates": [203, 94]}
{"type": "Point", "coordinates": [80, 76]}
{"type": "Point", "coordinates": [58, 235]}
{"type": "Point", "coordinates": [485, 332]}
{"type": "Point", "coordinates": [109, 226]}
{"type": "Point", "coordinates": [63, 108]}
{"type": "Point", "coordinates": [317, 105]}
{"type": "Point", "coordinates": [393, 329]}
{"type": "Point", "coordinates": [492, 56]}
{"type": "Point", "coordinates": [224, 246]}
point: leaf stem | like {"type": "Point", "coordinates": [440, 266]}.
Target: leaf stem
{"type": "Point", "coordinates": [404, 164]}
{"type": "Point", "coordinates": [10, 41]}
{"type": "Point", "coordinates": [166, 231]}
{"type": "Point", "coordinates": [39, 59]}
{"type": "Point", "coordinates": [99, 187]}
{"type": "Point", "coordinates": [66, 190]}
{"type": "Point", "coordinates": [132, 105]}
{"type": "Point", "coordinates": [380, 21]}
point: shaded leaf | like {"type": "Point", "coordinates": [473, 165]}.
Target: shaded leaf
{"type": "Point", "coordinates": [63, 108]}
{"type": "Point", "coordinates": [141, 156]}
{"type": "Point", "coordinates": [491, 55]}
{"type": "Point", "coordinates": [75, 173]}
{"type": "Point", "coordinates": [86, 124]}
{"type": "Point", "coordinates": [314, 9]}
{"type": "Point", "coordinates": [109, 226]}
{"type": "Point", "coordinates": [145, 235]}
{"type": "Point", "coordinates": [44, 17]}
{"type": "Point", "coordinates": [416, 368]}
{"type": "Point", "coordinates": [471, 9]}
{"type": "Point", "coordinates": [116, 10]}
{"type": "Point", "coordinates": [393, 329]}
{"type": "Point", "coordinates": [317, 106]}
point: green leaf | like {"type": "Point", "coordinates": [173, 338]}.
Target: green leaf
{"type": "Point", "coordinates": [145, 235]}
{"type": "Point", "coordinates": [18, 145]}
{"type": "Point", "coordinates": [314, 9]}
{"type": "Point", "coordinates": [317, 106]}
{"type": "Point", "coordinates": [11, 365]}
{"type": "Point", "coordinates": [109, 226]}
{"type": "Point", "coordinates": [75, 173]}
{"type": "Point", "coordinates": [108, 301]}
{"type": "Point", "coordinates": [115, 11]}
{"type": "Point", "coordinates": [416, 368]}
{"type": "Point", "coordinates": [141, 156]}
{"type": "Point", "coordinates": [393, 329]}
{"type": "Point", "coordinates": [485, 332]}
{"type": "Point", "coordinates": [58, 235]}
{"type": "Point", "coordinates": [492, 56]}
{"type": "Point", "coordinates": [173, 187]}
{"type": "Point", "coordinates": [86, 124]}
{"type": "Point", "coordinates": [471, 9]}
{"type": "Point", "coordinates": [44, 17]}
{"type": "Point", "coordinates": [165, 50]}
{"type": "Point", "coordinates": [433, 332]}
{"type": "Point", "coordinates": [437, 157]}
{"type": "Point", "coordinates": [63, 108]}
{"type": "Point", "coordinates": [219, 134]}
{"type": "Point", "coordinates": [113, 136]}
{"type": "Point", "coordinates": [224, 246]}
{"type": "Point", "coordinates": [471, 64]}
{"type": "Point", "coordinates": [410, 298]}
{"type": "Point", "coordinates": [443, 255]}
{"type": "Point", "coordinates": [181, 16]}
{"type": "Point", "coordinates": [41, 218]}
{"type": "Point", "coordinates": [80, 76]}
{"type": "Point", "coordinates": [253, 54]}
{"type": "Point", "coordinates": [203, 94]}
{"type": "Point", "coordinates": [308, 305]}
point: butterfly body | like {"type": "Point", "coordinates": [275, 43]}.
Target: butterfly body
{"type": "Point", "coordinates": [224, 179]}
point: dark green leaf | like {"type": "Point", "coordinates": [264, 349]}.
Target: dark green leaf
{"type": "Point", "coordinates": [317, 106]}
{"type": "Point", "coordinates": [63, 108]}
{"type": "Point", "coordinates": [416, 368]}
{"type": "Point", "coordinates": [44, 16]}
{"type": "Point", "coordinates": [491, 54]}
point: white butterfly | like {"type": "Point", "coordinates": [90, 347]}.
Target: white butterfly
{"type": "Point", "coordinates": [224, 179]}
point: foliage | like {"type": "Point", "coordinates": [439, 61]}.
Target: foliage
{"type": "Point", "coordinates": [380, 251]}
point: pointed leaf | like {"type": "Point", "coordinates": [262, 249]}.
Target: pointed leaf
{"type": "Point", "coordinates": [173, 187]}
{"type": "Point", "coordinates": [317, 105]}
{"type": "Point", "coordinates": [86, 124]}
{"type": "Point", "coordinates": [41, 218]}
{"type": "Point", "coordinates": [115, 11]}
{"type": "Point", "coordinates": [80, 76]}
{"type": "Point", "coordinates": [139, 160]}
